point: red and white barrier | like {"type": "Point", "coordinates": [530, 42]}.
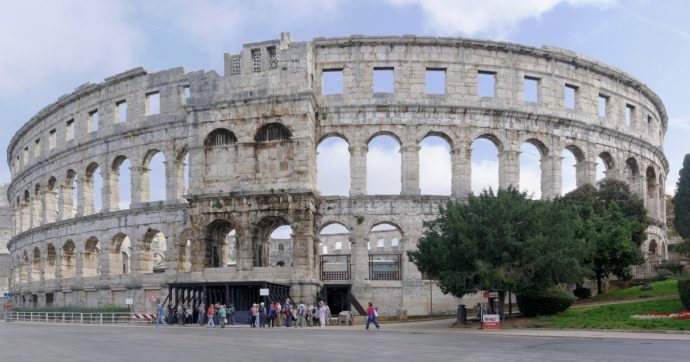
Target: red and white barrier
{"type": "Point", "coordinates": [143, 316]}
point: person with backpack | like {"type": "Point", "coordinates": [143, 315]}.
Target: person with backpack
{"type": "Point", "coordinates": [262, 315]}
{"type": "Point", "coordinates": [159, 315]}
{"type": "Point", "coordinates": [201, 312]}
{"type": "Point", "coordinates": [272, 315]}
{"type": "Point", "coordinates": [287, 312]}
{"type": "Point", "coordinates": [231, 314]}
{"type": "Point", "coordinates": [209, 314]}
{"type": "Point", "coordinates": [223, 316]}
{"type": "Point", "coordinates": [300, 314]}
{"type": "Point", "coordinates": [372, 314]}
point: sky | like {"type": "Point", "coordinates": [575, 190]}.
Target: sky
{"type": "Point", "coordinates": [48, 49]}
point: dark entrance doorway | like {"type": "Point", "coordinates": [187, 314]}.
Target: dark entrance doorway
{"type": "Point", "coordinates": [242, 294]}
{"type": "Point", "coordinates": [337, 297]}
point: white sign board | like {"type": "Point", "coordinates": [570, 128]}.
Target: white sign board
{"type": "Point", "coordinates": [129, 301]}
{"type": "Point", "coordinates": [263, 292]}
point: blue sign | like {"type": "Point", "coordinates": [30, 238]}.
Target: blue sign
{"type": "Point", "coordinates": [8, 295]}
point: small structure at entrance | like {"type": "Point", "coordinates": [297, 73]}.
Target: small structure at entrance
{"type": "Point", "coordinates": [238, 205]}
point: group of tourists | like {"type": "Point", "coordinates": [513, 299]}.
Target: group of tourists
{"type": "Point", "coordinates": [273, 315]}
{"type": "Point", "coordinates": [289, 314]}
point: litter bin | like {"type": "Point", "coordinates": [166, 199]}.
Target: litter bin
{"type": "Point", "coordinates": [462, 314]}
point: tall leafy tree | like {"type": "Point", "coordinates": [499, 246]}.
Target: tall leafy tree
{"type": "Point", "coordinates": [501, 241]}
{"type": "Point", "coordinates": [681, 200]}
{"type": "Point", "coordinates": [613, 232]}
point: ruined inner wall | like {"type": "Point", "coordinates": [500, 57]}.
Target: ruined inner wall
{"type": "Point", "coordinates": [250, 138]}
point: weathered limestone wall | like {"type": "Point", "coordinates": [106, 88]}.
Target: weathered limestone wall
{"type": "Point", "coordinates": [5, 234]}
{"type": "Point", "coordinates": [250, 138]}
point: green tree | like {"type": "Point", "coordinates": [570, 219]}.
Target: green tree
{"type": "Point", "coordinates": [501, 241]}
{"type": "Point", "coordinates": [613, 232]}
{"type": "Point", "coordinates": [681, 200]}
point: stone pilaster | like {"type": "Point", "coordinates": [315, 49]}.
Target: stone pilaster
{"type": "Point", "coordinates": [50, 212]}
{"type": "Point", "coordinates": [358, 170]}
{"type": "Point", "coordinates": [461, 169]}
{"type": "Point", "coordinates": [410, 169]}
{"type": "Point", "coordinates": [550, 176]}
{"type": "Point", "coordinates": [140, 185]}
{"type": "Point", "coordinates": [111, 190]}
{"type": "Point", "coordinates": [509, 169]}
{"type": "Point", "coordinates": [585, 173]}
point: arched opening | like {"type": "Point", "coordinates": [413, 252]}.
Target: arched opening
{"type": "Point", "coordinates": [273, 132]}
{"type": "Point", "coordinates": [604, 164]}
{"type": "Point", "coordinates": [334, 250]}
{"type": "Point", "coordinates": [120, 255]}
{"type": "Point", "coordinates": [435, 173]}
{"type": "Point", "coordinates": [653, 247]}
{"type": "Point", "coordinates": [156, 176]}
{"type": "Point", "coordinates": [570, 157]}
{"type": "Point", "coordinates": [36, 265]}
{"type": "Point", "coordinates": [122, 183]}
{"type": "Point", "coordinates": [220, 247]}
{"type": "Point", "coordinates": [385, 260]}
{"type": "Point", "coordinates": [91, 259]}
{"type": "Point", "coordinates": [68, 264]}
{"type": "Point", "coordinates": [384, 166]}
{"type": "Point", "coordinates": [333, 166]}
{"type": "Point", "coordinates": [152, 255]}
{"type": "Point", "coordinates": [484, 161]}
{"type": "Point", "coordinates": [280, 247]}
{"type": "Point", "coordinates": [93, 186]}
{"type": "Point", "coordinates": [531, 153]}
{"type": "Point", "coordinates": [632, 175]}
{"type": "Point", "coordinates": [220, 137]}
{"type": "Point", "coordinates": [51, 258]}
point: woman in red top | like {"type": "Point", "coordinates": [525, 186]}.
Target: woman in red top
{"type": "Point", "coordinates": [209, 313]}
{"type": "Point", "coordinates": [371, 316]}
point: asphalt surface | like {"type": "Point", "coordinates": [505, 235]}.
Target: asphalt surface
{"type": "Point", "coordinates": [423, 341]}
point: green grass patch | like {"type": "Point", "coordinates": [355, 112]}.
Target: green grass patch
{"type": "Point", "coordinates": [616, 316]}
{"type": "Point", "coordinates": [664, 288]}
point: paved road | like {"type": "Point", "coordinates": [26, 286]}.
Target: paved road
{"type": "Point", "coordinates": [40, 342]}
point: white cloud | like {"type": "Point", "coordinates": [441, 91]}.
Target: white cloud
{"type": "Point", "coordinates": [383, 170]}
{"type": "Point", "coordinates": [680, 123]}
{"type": "Point", "coordinates": [435, 169]}
{"type": "Point", "coordinates": [333, 167]}
{"type": "Point", "coordinates": [39, 39]}
{"type": "Point", "coordinates": [484, 176]}
{"type": "Point", "coordinates": [494, 18]}
{"type": "Point", "coordinates": [568, 177]}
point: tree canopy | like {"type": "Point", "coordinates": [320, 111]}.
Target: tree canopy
{"type": "Point", "coordinates": [681, 200]}
{"type": "Point", "coordinates": [613, 233]}
{"type": "Point", "coordinates": [502, 241]}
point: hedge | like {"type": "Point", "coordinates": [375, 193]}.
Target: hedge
{"type": "Point", "coordinates": [684, 291]}
{"type": "Point", "coordinates": [548, 302]}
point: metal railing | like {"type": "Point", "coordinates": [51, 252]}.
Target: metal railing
{"type": "Point", "coordinates": [74, 318]}
{"type": "Point", "coordinates": [385, 266]}
{"type": "Point", "coordinates": [335, 267]}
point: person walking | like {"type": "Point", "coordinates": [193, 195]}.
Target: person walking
{"type": "Point", "coordinates": [300, 314]}
{"type": "Point", "coordinates": [159, 315]}
{"type": "Point", "coordinates": [262, 315]}
{"type": "Point", "coordinates": [372, 313]}
{"type": "Point", "coordinates": [189, 312]}
{"type": "Point", "coordinates": [287, 312]}
{"type": "Point", "coordinates": [253, 313]}
{"type": "Point", "coordinates": [209, 314]}
{"type": "Point", "coordinates": [180, 315]}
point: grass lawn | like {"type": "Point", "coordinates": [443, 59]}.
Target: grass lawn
{"type": "Point", "coordinates": [616, 316]}
{"type": "Point", "coordinates": [660, 289]}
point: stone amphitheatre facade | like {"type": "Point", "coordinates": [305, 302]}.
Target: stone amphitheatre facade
{"type": "Point", "coordinates": [249, 139]}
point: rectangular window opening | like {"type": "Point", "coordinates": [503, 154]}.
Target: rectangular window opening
{"type": "Point", "coordinates": [332, 81]}
{"type": "Point", "coordinates": [338, 245]}
{"type": "Point", "coordinates": [93, 121]}
{"type": "Point", "coordinates": [121, 112]}
{"type": "Point", "coordinates": [256, 60]}
{"type": "Point", "coordinates": [186, 91]}
{"type": "Point", "coordinates": [51, 138]}
{"type": "Point", "coordinates": [383, 80]}
{"type": "Point", "coordinates": [153, 103]}
{"type": "Point", "coordinates": [381, 243]}
{"type": "Point", "coordinates": [70, 130]}
{"type": "Point", "coordinates": [486, 83]}
{"type": "Point", "coordinates": [435, 81]}
{"type": "Point", "coordinates": [531, 87]}
{"type": "Point", "coordinates": [272, 58]}
{"type": "Point", "coordinates": [570, 93]}
{"type": "Point", "coordinates": [235, 64]}
{"type": "Point", "coordinates": [629, 115]}
{"type": "Point", "coordinates": [603, 105]}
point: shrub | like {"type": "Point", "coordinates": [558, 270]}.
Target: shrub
{"type": "Point", "coordinates": [582, 293]}
{"type": "Point", "coordinates": [663, 274]}
{"type": "Point", "coordinates": [547, 302]}
{"type": "Point", "coordinates": [684, 291]}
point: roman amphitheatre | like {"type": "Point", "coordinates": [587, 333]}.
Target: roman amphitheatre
{"type": "Point", "coordinates": [240, 159]}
